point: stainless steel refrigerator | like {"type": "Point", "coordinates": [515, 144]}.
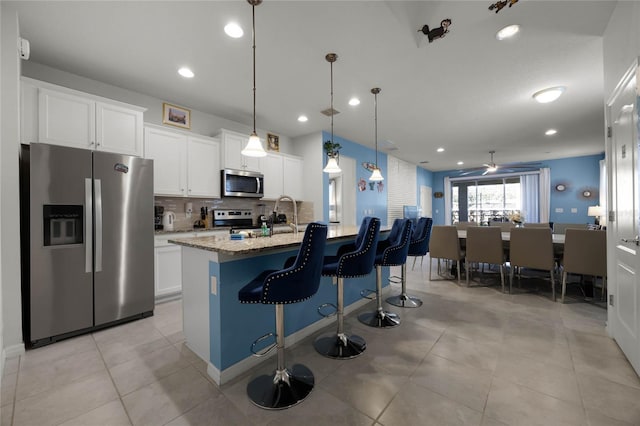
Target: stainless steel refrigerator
{"type": "Point", "coordinates": [86, 240]}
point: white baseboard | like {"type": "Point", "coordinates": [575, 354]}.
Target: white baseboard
{"type": "Point", "coordinates": [13, 351]}
{"type": "Point", "coordinates": [240, 367]}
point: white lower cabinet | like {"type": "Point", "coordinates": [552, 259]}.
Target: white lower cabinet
{"type": "Point", "coordinates": [168, 270]}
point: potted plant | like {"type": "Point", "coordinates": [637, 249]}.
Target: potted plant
{"type": "Point", "coordinates": [332, 149]}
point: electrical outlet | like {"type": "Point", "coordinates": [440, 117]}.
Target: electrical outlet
{"type": "Point", "coordinates": [574, 210]}
{"type": "Point", "coordinates": [559, 210]}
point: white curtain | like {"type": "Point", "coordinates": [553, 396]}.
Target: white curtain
{"type": "Point", "coordinates": [545, 194]}
{"type": "Point", "coordinates": [603, 190]}
{"type": "Point", "coordinates": [447, 201]}
{"type": "Point", "coordinates": [529, 190]}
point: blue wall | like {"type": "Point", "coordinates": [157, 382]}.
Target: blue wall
{"type": "Point", "coordinates": [576, 173]}
{"type": "Point", "coordinates": [424, 178]}
{"type": "Point", "coordinates": [370, 202]}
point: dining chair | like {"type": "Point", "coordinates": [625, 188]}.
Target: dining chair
{"type": "Point", "coordinates": [561, 228]}
{"type": "Point", "coordinates": [532, 248]}
{"type": "Point", "coordinates": [444, 244]}
{"type": "Point", "coordinates": [537, 225]}
{"type": "Point", "coordinates": [585, 253]}
{"type": "Point", "coordinates": [484, 245]}
{"type": "Point", "coordinates": [465, 225]}
{"type": "Point", "coordinates": [504, 226]}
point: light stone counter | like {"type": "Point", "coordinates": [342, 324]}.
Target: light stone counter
{"type": "Point", "coordinates": [226, 246]}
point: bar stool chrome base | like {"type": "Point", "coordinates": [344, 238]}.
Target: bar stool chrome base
{"type": "Point", "coordinates": [380, 319]}
{"type": "Point", "coordinates": [404, 301]}
{"type": "Point", "coordinates": [281, 389]}
{"type": "Point", "coordinates": [340, 346]}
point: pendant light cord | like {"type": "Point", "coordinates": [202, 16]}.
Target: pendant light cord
{"type": "Point", "coordinates": [376, 129]}
{"type": "Point", "coordinates": [331, 63]}
{"type": "Point", "coordinates": [253, 10]}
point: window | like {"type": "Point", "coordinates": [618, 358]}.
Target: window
{"type": "Point", "coordinates": [485, 200]}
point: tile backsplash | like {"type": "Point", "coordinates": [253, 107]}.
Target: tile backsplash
{"type": "Point", "coordinates": [178, 205]}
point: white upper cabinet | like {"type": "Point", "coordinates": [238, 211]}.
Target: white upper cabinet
{"type": "Point", "coordinates": [203, 162]}
{"type": "Point", "coordinates": [293, 176]}
{"type": "Point", "coordinates": [183, 165]}
{"type": "Point", "coordinates": [57, 115]}
{"type": "Point", "coordinates": [273, 176]}
{"type": "Point", "coordinates": [232, 145]}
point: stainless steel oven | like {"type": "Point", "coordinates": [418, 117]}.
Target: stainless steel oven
{"type": "Point", "coordinates": [242, 183]}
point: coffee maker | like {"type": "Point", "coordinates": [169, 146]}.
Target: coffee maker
{"type": "Point", "coordinates": [158, 212]}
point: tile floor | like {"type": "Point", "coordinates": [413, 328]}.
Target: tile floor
{"type": "Point", "coordinates": [468, 356]}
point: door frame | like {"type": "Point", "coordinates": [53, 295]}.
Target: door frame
{"type": "Point", "coordinates": [612, 237]}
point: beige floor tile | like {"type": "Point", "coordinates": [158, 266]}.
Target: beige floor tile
{"type": "Point", "coordinates": [67, 402]}
{"type": "Point", "coordinates": [349, 381]}
{"type": "Point", "coordinates": [551, 350]}
{"type": "Point", "coordinates": [147, 368]}
{"type": "Point", "coordinates": [217, 410]}
{"type": "Point", "coordinates": [118, 352]}
{"type": "Point", "coordinates": [168, 398]}
{"type": "Point", "coordinates": [6, 415]}
{"type": "Point", "coordinates": [466, 385]}
{"type": "Point", "coordinates": [610, 399]}
{"type": "Point", "coordinates": [468, 352]}
{"type": "Point", "coordinates": [8, 389]}
{"type": "Point", "coordinates": [516, 405]}
{"type": "Point", "coordinates": [590, 344]}
{"type": "Point", "coordinates": [414, 405]}
{"type": "Point", "coordinates": [597, 419]}
{"type": "Point", "coordinates": [59, 372]}
{"type": "Point", "coordinates": [487, 421]}
{"type": "Point", "coordinates": [612, 368]}
{"type": "Point", "coordinates": [543, 377]}
{"type": "Point", "coordinates": [56, 351]}
{"type": "Point", "coordinates": [109, 414]}
{"type": "Point", "coordinates": [11, 365]}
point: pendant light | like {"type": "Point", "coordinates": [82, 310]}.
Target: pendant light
{"type": "Point", "coordinates": [332, 165]}
{"type": "Point", "coordinates": [376, 176]}
{"type": "Point", "coordinates": [254, 146]}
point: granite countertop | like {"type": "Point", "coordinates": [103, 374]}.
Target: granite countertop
{"type": "Point", "coordinates": [180, 231]}
{"type": "Point", "coordinates": [224, 244]}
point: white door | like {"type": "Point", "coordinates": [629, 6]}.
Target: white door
{"type": "Point", "coordinates": [348, 187]}
{"type": "Point", "coordinates": [425, 201]}
{"type": "Point", "coordinates": [623, 267]}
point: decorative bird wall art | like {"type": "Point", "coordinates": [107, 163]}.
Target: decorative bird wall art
{"type": "Point", "coordinates": [497, 6]}
{"type": "Point", "coordinates": [436, 33]}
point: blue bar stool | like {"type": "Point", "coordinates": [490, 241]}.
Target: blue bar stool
{"type": "Point", "coordinates": [391, 252]}
{"type": "Point", "coordinates": [352, 260]}
{"type": "Point", "coordinates": [419, 246]}
{"type": "Point", "coordinates": [286, 387]}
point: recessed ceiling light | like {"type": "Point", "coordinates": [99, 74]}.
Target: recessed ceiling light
{"type": "Point", "coordinates": [548, 95]}
{"type": "Point", "coordinates": [233, 30]}
{"type": "Point", "coordinates": [440, 149]}
{"type": "Point", "coordinates": [460, 163]}
{"type": "Point", "coordinates": [551, 132]}
{"type": "Point", "coordinates": [508, 32]}
{"type": "Point", "coordinates": [186, 72]}
{"type": "Point", "coordinates": [303, 119]}
{"type": "Point", "coordinates": [354, 101]}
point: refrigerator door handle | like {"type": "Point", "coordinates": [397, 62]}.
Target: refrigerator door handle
{"type": "Point", "coordinates": [88, 226]}
{"type": "Point", "coordinates": [98, 226]}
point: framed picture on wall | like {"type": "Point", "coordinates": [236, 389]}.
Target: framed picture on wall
{"type": "Point", "coordinates": [176, 116]}
{"type": "Point", "coordinates": [273, 142]}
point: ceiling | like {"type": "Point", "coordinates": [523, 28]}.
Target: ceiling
{"type": "Point", "coordinates": [467, 92]}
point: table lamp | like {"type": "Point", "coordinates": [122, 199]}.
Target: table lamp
{"type": "Point", "coordinates": [597, 212]}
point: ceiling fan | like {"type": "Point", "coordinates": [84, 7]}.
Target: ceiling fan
{"type": "Point", "coordinates": [492, 167]}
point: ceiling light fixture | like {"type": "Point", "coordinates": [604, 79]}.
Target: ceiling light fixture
{"type": "Point", "coordinates": [440, 150]}
{"type": "Point", "coordinates": [376, 176]}
{"type": "Point", "coordinates": [233, 30]}
{"type": "Point", "coordinates": [548, 95]}
{"type": "Point", "coordinates": [303, 119]}
{"type": "Point", "coordinates": [460, 163]}
{"type": "Point", "coordinates": [332, 149]}
{"type": "Point", "coordinates": [186, 72]}
{"type": "Point", "coordinates": [354, 101]}
{"type": "Point", "coordinates": [254, 146]}
{"type": "Point", "coordinates": [508, 32]}
{"type": "Point", "coordinates": [551, 132]}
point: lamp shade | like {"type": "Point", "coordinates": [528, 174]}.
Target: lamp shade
{"type": "Point", "coordinates": [376, 176]}
{"type": "Point", "coordinates": [254, 147]}
{"type": "Point", "coordinates": [595, 211]}
{"type": "Point", "coordinates": [332, 166]}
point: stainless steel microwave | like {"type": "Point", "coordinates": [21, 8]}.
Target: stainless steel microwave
{"type": "Point", "coordinates": [242, 183]}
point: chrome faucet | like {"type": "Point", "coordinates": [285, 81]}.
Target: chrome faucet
{"type": "Point", "coordinates": [294, 225]}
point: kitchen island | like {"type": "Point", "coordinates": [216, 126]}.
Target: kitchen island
{"type": "Point", "coordinates": [218, 328]}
